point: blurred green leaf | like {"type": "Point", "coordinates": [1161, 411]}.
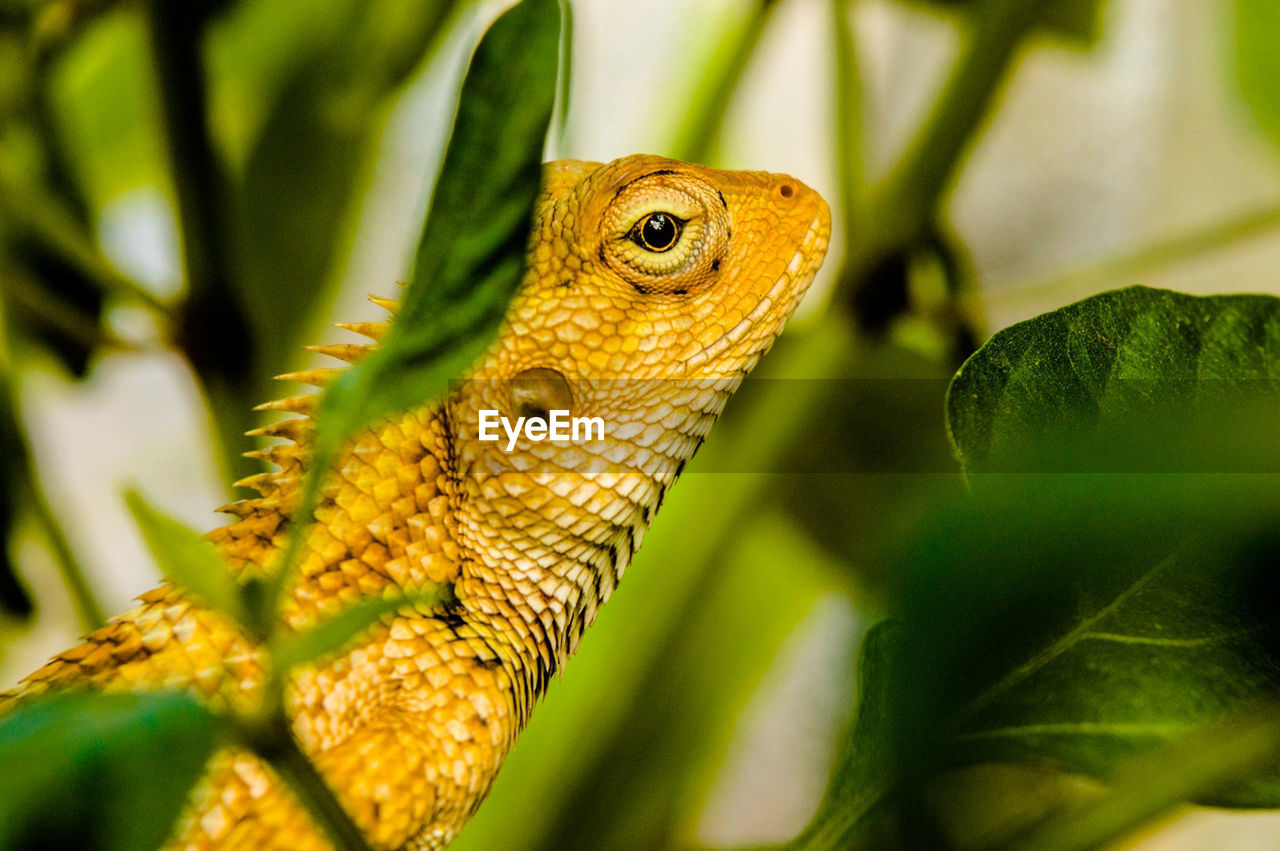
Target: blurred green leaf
{"type": "Point", "coordinates": [1078, 21]}
{"type": "Point", "coordinates": [100, 771]}
{"type": "Point", "coordinates": [866, 767]}
{"type": "Point", "coordinates": [1106, 613]}
{"type": "Point", "coordinates": [1195, 768]}
{"type": "Point", "coordinates": [472, 251]}
{"type": "Point", "coordinates": [104, 98]}
{"type": "Point", "coordinates": [1256, 33]}
{"type": "Point", "coordinates": [255, 50]}
{"type": "Point", "coordinates": [302, 172]}
{"type": "Point", "coordinates": [1121, 366]}
{"type": "Point", "coordinates": [712, 93]}
{"type": "Point", "coordinates": [332, 634]}
{"type": "Point", "coordinates": [189, 560]}
{"type": "Point", "coordinates": [1084, 619]}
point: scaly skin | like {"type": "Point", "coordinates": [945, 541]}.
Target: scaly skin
{"type": "Point", "coordinates": [410, 726]}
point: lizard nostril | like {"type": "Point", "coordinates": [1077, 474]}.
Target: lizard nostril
{"type": "Point", "coordinates": [786, 190]}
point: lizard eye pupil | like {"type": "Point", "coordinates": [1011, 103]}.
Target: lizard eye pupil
{"type": "Point", "coordinates": [657, 232]}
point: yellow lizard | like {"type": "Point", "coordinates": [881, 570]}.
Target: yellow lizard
{"type": "Point", "coordinates": [652, 288]}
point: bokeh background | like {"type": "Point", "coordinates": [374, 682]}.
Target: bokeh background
{"type": "Point", "coordinates": [706, 705]}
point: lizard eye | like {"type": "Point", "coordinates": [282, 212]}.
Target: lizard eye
{"type": "Point", "coordinates": [657, 232]}
{"type": "Point", "coordinates": [665, 233]}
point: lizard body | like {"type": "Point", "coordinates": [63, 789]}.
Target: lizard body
{"type": "Point", "coordinates": [652, 288]}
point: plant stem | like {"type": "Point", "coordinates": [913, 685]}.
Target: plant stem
{"type": "Point", "coordinates": [176, 45]}
{"type": "Point", "coordinates": [86, 602]}
{"type": "Point", "coordinates": [213, 329]}
{"type": "Point", "coordinates": [274, 743]}
{"type": "Point", "coordinates": [27, 477]}
{"type": "Point", "coordinates": [710, 104]}
{"type": "Point", "coordinates": [558, 133]}
{"type": "Point", "coordinates": [905, 205]}
{"type": "Point", "coordinates": [25, 291]}
{"type": "Point", "coordinates": [849, 154]}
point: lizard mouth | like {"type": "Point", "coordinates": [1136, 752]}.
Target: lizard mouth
{"type": "Point", "coordinates": [781, 300]}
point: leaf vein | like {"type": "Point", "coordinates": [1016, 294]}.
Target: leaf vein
{"type": "Point", "coordinates": [1062, 645]}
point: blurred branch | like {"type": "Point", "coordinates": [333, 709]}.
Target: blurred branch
{"type": "Point", "coordinates": [175, 30]}
{"type": "Point", "coordinates": [1124, 268]}
{"type": "Point", "coordinates": [55, 227]}
{"type": "Point", "coordinates": [902, 210]}
{"type": "Point", "coordinates": [26, 292]}
{"type": "Point", "coordinates": [710, 103]}
{"type": "Point", "coordinates": [212, 330]}
{"type": "Point", "coordinates": [849, 154]}
{"type": "Point", "coordinates": [905, 205]}
{"type": "Point", "coordinates": [273, 741]}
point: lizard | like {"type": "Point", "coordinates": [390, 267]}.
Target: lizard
{"type": "Point", "coordinates": [652, 287]}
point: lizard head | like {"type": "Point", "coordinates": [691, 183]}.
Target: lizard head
{"type": "Point", "coordinates": [653, 287]}
{"type": "Point", "coordinates": [654, 272]}
{"type": "Point", "coordinates": [649, 268]}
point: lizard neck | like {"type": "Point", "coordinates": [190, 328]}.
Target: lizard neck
{"type": "Point", "coordinates": [540, 581]}
{"type": "Point", "coordinates": [548, 530]}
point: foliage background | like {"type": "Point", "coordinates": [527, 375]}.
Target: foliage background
{"type": "Point", "coordinates": [707, 705]}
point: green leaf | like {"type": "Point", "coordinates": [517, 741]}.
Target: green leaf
{"type": "Point", "coordinates": [866, 769]}
{"type": "Point", "coordinates": [1193, 768]}
{"type": "Point", "coordinates": [1045, 622]}
{"type": "Point", "coordinates": [1070, 386]}
{"type": "Point", "coordinates": [104, 95]}
{"type": "Point", "coordinates": [1256, 41]}
{"type": "Point", "coordinates": [472, 252]}
{"type": "Point", "coordinates": [332, 634]}
{"type": "Point", "coordinates": [189, 559]}
{"type": "Point", "coordinates": [1077, 21]}
{"type": "Point", "coordinates": [100, 771]}
{"type": "Point", "coordinates": [324, 109]}
{"type": "Point", "coordinates": [1086, 618]}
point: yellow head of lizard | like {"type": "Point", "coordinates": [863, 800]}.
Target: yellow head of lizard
{"type": "Point", "coordinates": [651, 268]}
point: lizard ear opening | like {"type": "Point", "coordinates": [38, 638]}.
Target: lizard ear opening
{"type": "Point", "coordinates": [539, 391]}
